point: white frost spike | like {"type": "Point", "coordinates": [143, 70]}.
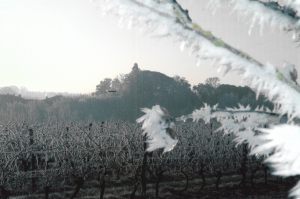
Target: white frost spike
{"type": "Point", "coordinates": [215, 107]}
{"type": "Point", "coordinates": [247, 136]}
{"type": "Point", "coordinates": [260, 14]}
{"type": "Point", "coordinates": [240, 108]}
{"type": "Point", "coordinates": [283, 142]}
{"type": "Point", "coordinates": [157, 127]}
{"type": "Point", "coordinates": [241, 121]}
{"type": "Point", "coordinates": [294, 36]}
{"type": "Point", "coordinates": [259, 109]}
{"type": "Point", "coordinates": [203, 113]}
{"type": "Point", "coordinates": [182, 46]}
{"type": "Point", "coordinates": [289, 72]}
{"type": "Point", "coordinates": [295, 192]}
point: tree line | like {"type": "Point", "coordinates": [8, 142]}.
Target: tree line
{"type": "Point", "coordinates": [122, 97]}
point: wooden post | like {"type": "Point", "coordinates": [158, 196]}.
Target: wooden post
{"type": "Point", "coordinates": [32, 160]}
{"type": "Point", "coordinates": [244, 165]}
{"type": "Point", "coordinates": [143, 172]}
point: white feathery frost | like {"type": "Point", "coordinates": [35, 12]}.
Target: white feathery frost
{"type": "Point", "coordinates": [281, 143]}
{"type": "Point", "coordinates": [289, 72]}
{"type": "Point", "coordinates": [156, 124]}
{"type": "Point", "coordinates": [240, 108]}
{"type": "Point", "coordinates": [203, 113]}
{"type": "Point", "coordinates": [247, 136]}
{"type": "Point", "coordinates": [259, 14]}
{"type": "Point", "coordinates": [241, 121]}
{"type": "Point", "coordinates": [244, 124]}
{"type": "Point", "coordinates": [295, 192]}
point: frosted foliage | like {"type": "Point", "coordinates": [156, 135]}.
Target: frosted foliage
{"type": "Point", "coordinates": [245, 125]}
{"type": "Point", "coordinates": [278, 89]}
{"type": "Point", "coordinates": [258, 14]}
{"type": "Point", "coordinates": [156, 126]}
{"type": "Point", "coordinates": [282, 142]}
{"type": "Point", "coordinates": [240, 108]}
{"type": "Point", "coordinates": [247, 136]}
{"type": "Point", "coordinates": [203, 113]}
{"type": "Point", "coordinates": [240, 121]}
{"type": "Point", "coordinates": [289, 72]}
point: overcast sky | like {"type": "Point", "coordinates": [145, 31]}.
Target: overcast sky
{"type": "Point", "coordinates": [68, 45]}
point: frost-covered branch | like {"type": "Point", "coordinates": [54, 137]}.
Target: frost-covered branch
{"type": "Point", "coordinates": [294, 4]}
{"type": "Point", "coordinates": [285, 9]}
{"type": "Point", "coordinates": [263, 13]}
{"type": "Point", "coordinates": [282, 143]}
{"type": "Point", "coordinates": [158, 128]}
{"type": "Point", "coordinates": [285, 159]}
{"type": "Point", "coordinates": [243, 122]}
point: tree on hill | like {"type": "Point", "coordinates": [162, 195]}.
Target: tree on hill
{"type": "Point", "coordinates": [116, 85]}
{"type": "Point", "coordinates": [147, 88]}
{"type": "Point", "coordinates": [103, 87]}
{"type": "Point", "coordinates": [213, 81]}
{"type": "Point", "coordinates": [182, 81]}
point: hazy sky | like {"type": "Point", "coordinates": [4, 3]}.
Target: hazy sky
{"type": "Point", "coordinates": [68, 45]}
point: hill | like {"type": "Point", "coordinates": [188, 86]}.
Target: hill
{"type": "Point", "coordinates": [122, 99]}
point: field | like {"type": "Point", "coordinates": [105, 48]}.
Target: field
{"type": "Point", "coordinates": [108, 160]}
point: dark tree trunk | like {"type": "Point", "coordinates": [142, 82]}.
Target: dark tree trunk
{"type": "Point", "coordinates": [219, 175]}
{"type": "Point", "coordinates": [244, 165]}
{"type": "Point", "coordinates": [79, 182]}
{"type": "Point", "coordinates": [47, 190]}
{"type": "Point", "coordinates": [201, 172]}
{"type": "Point", "coordinates": [4, 193]}
{"type": "Point", "coordinates": [266, 174]}
{"type": "Point", "coordinates": [136, 185]}
{"type": "Point", "coordinates": [143, 172]}
{"type": "Point", "coordinates": [132, 195]}
{"type": "Point", "coordinates": [159, 175]}
{"type": "Point", "coordinates": [253, 172]}
{"type": "Point", "coordinates": [186, 181]}
{"type": "Point", "coordinates": [32, 161]}
{"type": "Point", "coordinates": [102, 187]}
{"type": "Point", "coordinates": [185, 187]}
{"type": "Point", "coordinates": [102, 183]}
